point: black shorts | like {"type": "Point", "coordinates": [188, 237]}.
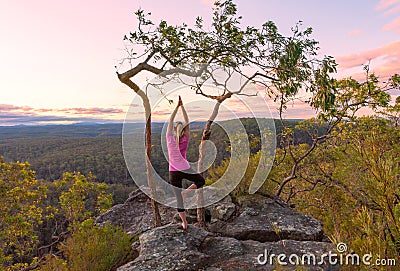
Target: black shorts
{"type": "Point", "coordinates": [176, 177]}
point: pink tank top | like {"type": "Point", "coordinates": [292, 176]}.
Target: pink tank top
{"type": "Point", "coordinates": [177, 156]}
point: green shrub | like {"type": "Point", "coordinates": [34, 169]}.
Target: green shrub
{"type": "Point", "coordinates": [93, 248]}
{"type": "Point", "coordinates": [54, 264]}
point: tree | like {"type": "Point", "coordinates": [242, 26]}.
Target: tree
{"type": "Point", "coordinates": [349, 97]}
{"type": "Point", "coordinates": [281, 66]}
{"type": "Point", "coordinates": [20, 213]}
{"type": "Point", "coordinates": [356, 186]}
{"type": "Point", "coordinates": [91, 248]}
{"type": "Point", "coordinates": [32, 225]}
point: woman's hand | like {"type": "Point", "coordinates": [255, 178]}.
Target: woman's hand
{"type": "Point", "coordinates": [180, 101]}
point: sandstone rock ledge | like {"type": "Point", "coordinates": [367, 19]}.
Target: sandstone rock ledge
{"type": "Point", "coordinates": [241, 236]}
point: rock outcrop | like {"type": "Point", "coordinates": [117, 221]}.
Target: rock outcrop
{"type": "Point", "coordinates": [247, 235]}
{"type": "Point", "coordinates": [170, 248]}
{"type": "Point", "coordinates": [266, 220]}
{"type": "Point", "coordinates": [135, 215]}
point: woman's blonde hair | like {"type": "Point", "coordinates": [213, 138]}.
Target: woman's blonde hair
{"type": "Point", "coordinates": [178, 131]}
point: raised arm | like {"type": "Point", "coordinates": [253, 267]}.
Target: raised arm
{"type": "Point", "coordinates": [171, 121]}
{"type": "Point", "coordinates": [186, 118]}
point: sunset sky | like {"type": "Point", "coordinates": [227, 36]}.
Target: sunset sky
{"type": "Point", "coordinates": [58, 57]}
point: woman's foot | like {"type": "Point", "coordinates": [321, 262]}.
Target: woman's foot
{"type": "Point", "coordinates": [183, 193]}
{"type": "Point", "coordinates": [182, 215]}
{"type": "Point", "coordinates": [184, 225]}
{"type": "Point", "coordinates": [187, 190]}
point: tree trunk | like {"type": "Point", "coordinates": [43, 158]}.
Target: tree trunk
{"type": "Point", "coordinates": [125, 78]}
{"type": "Point", "coordinates": [150, 180]}
{"type": "Point", "coordinates": [206, 136]}
{"type": "Point", "coordinates": [200, 200]}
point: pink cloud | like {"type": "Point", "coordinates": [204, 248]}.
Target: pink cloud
{"type": "Point", "coordinates": [390, 7]}
{"type": "Point", "coordinates": [384, 4]}
{"type": "Point", "coordinates": [393, 10]}
{"type": "Point", "coordinates": [388, 57]}
{"type": "Point", "coordinates": [130, 105]}
{"type": "Point", "coordinates": [8, 108]}
{"type": "Point", "coordinates": [91, 111]}
{"type": "Point", "coordinates": [43, 110]}
{"type": "Point", "coordinates": [394, 25]}
{"type": "Point", "coordinates": [355, 32]}
{"type": "Point", "coordinates": [13, 114]}
{"type": "Point", "coordinates": [161, 113]}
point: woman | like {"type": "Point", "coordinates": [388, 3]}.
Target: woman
{"type": "Point", "coordinates": [179, 168]}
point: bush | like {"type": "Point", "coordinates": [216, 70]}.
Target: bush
{"type": "Point", "coordinates": [54, 264]}
{"type": "Point", "coordinates": [94, 248]}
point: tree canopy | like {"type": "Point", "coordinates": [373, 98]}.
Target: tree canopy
{"type": "Point", "coordinates": [281, 65]}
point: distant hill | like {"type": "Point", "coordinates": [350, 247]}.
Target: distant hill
{"type": "Point", "coordinates": [78, 130]}
{"type": "Point", "coordinates": [65, 131]}
{"type": "Point", "coordinates": [90, 147]}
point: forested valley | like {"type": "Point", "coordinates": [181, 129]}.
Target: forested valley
{"type": "Point", "coordinates": [52, 187]}
{"type": "Point", "coordinates": [97, 149]}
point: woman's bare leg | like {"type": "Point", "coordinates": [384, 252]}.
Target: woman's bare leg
{"type": "Point", "coordinates": [191, 187]}
{"type": "Point", "coordinates": [182, 215]}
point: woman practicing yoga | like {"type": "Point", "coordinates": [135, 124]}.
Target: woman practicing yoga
{"type": "Point", "coordinates": [179, 168]}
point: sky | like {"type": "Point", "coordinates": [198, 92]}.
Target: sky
{"type": "Point", "coordinates": [58, 58]}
